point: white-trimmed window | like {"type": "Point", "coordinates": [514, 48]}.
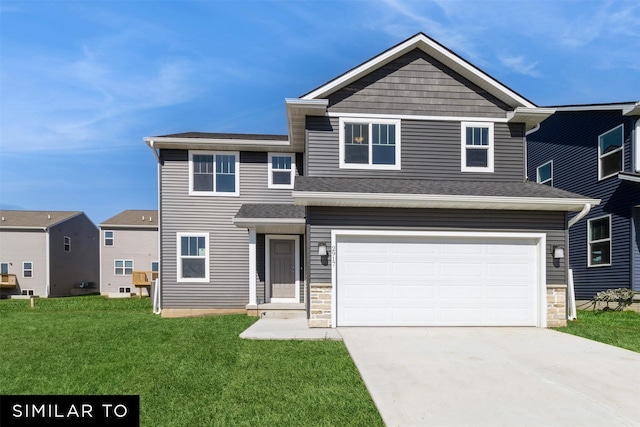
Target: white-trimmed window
{"type": "Point", "coordinates": [4, 268]}
{"type": "Point", "coordinates": [193, 257]}
{"type": "Point", "coordinates": [282, 168]}
{"type": "Point", "coordinates": [29, 292]}
{"type": "Point", "coordinates": [214, 173]}
{"type": "Point", "coordinates": [611, 152]}
{"type": "Point", "coordinates": [477, 147]}
{"type": "Point", "coordinates": [109, 238]}
{"type": "Point", "coordinates": [544, 174]}
{"type": "Point", "coordinates": [67, 244]}
{"type": "Point", "coordinates": [124, 290]}
{"type": "Point", "coordinates": [123, 267]}
{"type": "Point", "coordinates": [369, 144]}
{"type": "Point", "coordinates": [155, 266]}
{"type": "Point", "coordinates": [27, 269]}
{"type": "Point", "coordinates": [599, 239]}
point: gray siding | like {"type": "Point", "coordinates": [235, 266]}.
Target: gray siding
{"type": "Point", "coordinates": [416, 84]}
{"type": "Point", "coordinates": [82, 264]}
{"type": "Point", "coordinates": [635, 244]}
{"type": "Point", "coordinates": [323, 220]}
{"type": "Point", "coordinates": [430, 150]}
{"type": "Point", "coordinates": [228, 244]}
{"type": "Point", "coordinates": [18, 246]}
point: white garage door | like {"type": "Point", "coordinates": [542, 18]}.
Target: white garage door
{"type": "Point", "coordinates": [436, 281]}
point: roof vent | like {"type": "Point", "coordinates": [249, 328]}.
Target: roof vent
{"type": "Point", "coordinates": [3, 218]}
{"type": "Point", "coordinates": [149, 219]}
{"type": "Point", "coordinates": [142, 217]}
{"type": "Point", "coordinates": [48, 216]}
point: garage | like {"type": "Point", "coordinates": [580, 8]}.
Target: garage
{"type": "Point", "coordinates": [439, 279]}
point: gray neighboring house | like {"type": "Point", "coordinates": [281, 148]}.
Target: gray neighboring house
{"type": "Point", "coordinates": [397, 198]}
{"type": "Point", "coordinates": [128, 243]}
{"type": "Point", "coordinates": [48, 254]}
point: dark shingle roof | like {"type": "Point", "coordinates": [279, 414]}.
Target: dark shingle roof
{"type": "Point", "coordinates": [34, 219]}
{"type": "Point", "coordinates": [417, 186]}
{"type": "Point", "coordinates": [142, 218]}
{"type": "Point", "coordinates": [271, 211]}
{"type": "Point", "coordinates": [210, 135]}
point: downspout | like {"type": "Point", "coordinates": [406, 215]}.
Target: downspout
{"type": "Point", "coordinates": [526, 157]}
{"type": "Point", "coordinates": [47, 262]}
{"type": "Point", "coordinates": [572, 314]}
{"type": "Point", "coordinates": [157, 299]}
{"type": "Point", "coordinates": [585, 210]}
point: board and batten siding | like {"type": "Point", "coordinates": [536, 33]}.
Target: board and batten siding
{"type": "Point", "coordinates": [322, 220]}
{"type": "Point", "coordinates": [570, 140]}
{"type": "Point", "coordinates": [429, 150]}
{"type": "Point", "coordinates": [416, 84]}
{"type": "Point", "coordinates": [228, 245]}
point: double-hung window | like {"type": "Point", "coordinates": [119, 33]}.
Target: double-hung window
{"type": "Point", "coordinates": [477, 147]}
{"type": "Point", "coordinates": [193, 257]}
{"type": "Point", "coordinates": [27, 269]}
{"type": "Point", "coordinates": [108, 238]}
{"type": "Point", "coordinates": [544, 174]}
{"type": "Point", "coordinates": [67, 244]}
{"type": "Point", "coordinates": [4, 268]}
{"type": "Point", "coordinates": [599, 238]}
{"type": "Point", "coordinates": [123, 267]}
{"type": "Point", "coordinates": [281, 170]}
{"type": "Point", "coordinates": [369, 144]}
{"type": "Point", "coordinates": [213, 173]}
{"type": "Point", "coordinates": [610, 152]}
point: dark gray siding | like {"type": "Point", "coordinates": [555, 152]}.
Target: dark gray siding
{"type": "Point", "coordinates": [570, 139]}
{"type": "Point", "coordinates": [416, 84]}
{"type": "Point", "coordinates": [635, 244]}
{"type": "Point", "coordinates": [322, 220]}
{"type": "Point", "coordinates": [228, 244]}
{"type": "Point", "coordinates": [430, 150]}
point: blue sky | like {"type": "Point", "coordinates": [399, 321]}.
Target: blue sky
{"type": "Point", "coordinates": [82, 82]}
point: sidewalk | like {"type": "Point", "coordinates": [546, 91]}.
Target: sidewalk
{"type": "Point", "coordinates": [288, 329]}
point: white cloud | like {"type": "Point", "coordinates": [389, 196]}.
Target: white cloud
{"type": "Point", "coordinates": [519, 64]}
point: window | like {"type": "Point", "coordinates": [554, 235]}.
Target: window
{"type": "Point", "coordinates": [610, 152]}
{"type": "Point", "coordinates": [108, 238]}
{"type": "Point", "coordinates": [155, 266]}
{"type": "Point", "coordinates": [27, 269]}
{"type": "Point", "coordinates": [369, 144]}
{"type": "Point", "coordinates": [193, 257]}
{"type": "Point", "coordinates": [4, 268]}
{"type": "Point", "coordinates": [67, 244]}
{"type": "Point", "coordinates": [477, 147]}
{"type": "Point", "coordinates": [545, 174]}
{"type": "Point", "coordinates": [29, 292]}
{"type": "Point", "coordinates": [214, 173]}
{"type": "Point", "coordinates": [124, 290]}
{"type": "Point", "coordinates": [281, 170]}
{"type": "Point", "coordinates": [599, 237]}
{"type": "Point", "coordinates": [123, 267]}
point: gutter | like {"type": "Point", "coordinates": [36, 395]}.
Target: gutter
{"type": "Point", "coordinates": [585, 210]}
{"type": "Point", "coordinates": [151, 144]}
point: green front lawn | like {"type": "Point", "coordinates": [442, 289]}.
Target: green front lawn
{"type": "Point", "coordinates": [188, 372]}
{"type": "Point", "coordinates": [619, 328]}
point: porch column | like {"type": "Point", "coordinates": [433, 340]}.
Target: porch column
{"type": "Point", "coordinates": [253, 289]}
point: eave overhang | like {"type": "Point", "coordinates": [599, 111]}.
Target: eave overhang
{"type": "Point", "coordinates": [297, 110]}
{"type": "Point", "coordinates": [631, 177]}
{"type": "Point", "coordinates": [217, 144]}
{"type": "Point", "coordinates": [439, 201]}
{"type": "Point", "coordinates": [632, 110]}
{"type": "Point", "coordinates": [531, 117]}
{"type": "Point", "coordinates": [272, 225]}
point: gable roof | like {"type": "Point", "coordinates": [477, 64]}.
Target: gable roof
{"type": "Point", "coordinates": [631, 108]}
{"type": "Point", "coordinates": [42, 220]}
{"type": "Point", "coordinates": [133, 218]}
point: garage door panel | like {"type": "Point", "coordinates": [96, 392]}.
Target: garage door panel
{"type": "Point", "coordinates": [423, 281]}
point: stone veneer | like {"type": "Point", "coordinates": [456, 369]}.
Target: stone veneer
{"type": "Point", "coordinates": [556, 306]}
{"type": "Point", "coordinates": [320, 305]}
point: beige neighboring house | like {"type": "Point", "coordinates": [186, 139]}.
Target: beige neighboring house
{"type": "Point", "coordinates": [128, 246]}
{"type": "Point", "coordinates": [48, 254]}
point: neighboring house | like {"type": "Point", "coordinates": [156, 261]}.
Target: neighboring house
{"type": "Point", "coordinates": [129, 243]}
{"type": "Point", "coordinates": [398, 197]}
{"type": "Point", "coordinates": [595, 150]}
{"type": "Point", "coordinates": [48, 253]}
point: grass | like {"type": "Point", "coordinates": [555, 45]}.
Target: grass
{"type": "Point", "coordinates": [618, 328]}
{"type": "Point", "coordinates": [188, 372]}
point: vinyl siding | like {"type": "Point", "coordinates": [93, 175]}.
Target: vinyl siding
{"type": "Point", "coordinates": [635, 244]}
{"type": "Point", "coordinates": [429, 150]}
{"type": "Point", "coordinates": [416, 84]}
{"type": "Point", "coordinates": [570, 139]}
{"type": "Point", "coordinates": [18, 246]}
{"type": "Point", "coordinates": [228, 245]}
{"type": "Point", "coordinates": [322, 220]}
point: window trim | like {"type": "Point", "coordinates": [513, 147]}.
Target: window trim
{"type": "Point", "coordinates": [370, 121]}
{"type": "Point", "coordinates": [1, 269]}
{"type": "Point", "coordinates": [490, 148]}
{"type": "Point", "coordinates": [112, 238]}
{"type": "Point", "coordinates": [538, 173]}
{"type": "Point", "coordinates": [28, 292]}
{"type": "Point", "coordinates": [270, 169]}
{"type": "Point", "coordinates": [66, 243]}
{"type": "Point", "coordinates": [24, 269]}
{"type": "Point", "coordinates": [600, 156]}
{"type": "Point", "coordinates": [123, 289]}
{"type": "Point", "coordinates": [155, 262]}
{"type": "Point", "coordinates": [207, 258]}
{"type": "Point", "coordinates": [589, 242]}
{"type": "Point", "coordinates": [215, 193]}
{"type": "Point", "coordinates": [124, 267]}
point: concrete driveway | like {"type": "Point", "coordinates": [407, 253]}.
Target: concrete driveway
{"type": "Point", "coordinates": [495, 377]}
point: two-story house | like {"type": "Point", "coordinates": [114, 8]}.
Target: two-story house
{"type": "Point", "coordinates": [398, 197]}
{"type": "Point", "coordinates": [48, 254]}
{"type": "Point", "coordinates": [128, 248]}
{"type": "Point", "coordinates": [595, 150]}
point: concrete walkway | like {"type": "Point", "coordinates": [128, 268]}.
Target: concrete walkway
{"type": "Point", "coordinates": [288, 329]}
{"type": "Point", "coordinates": [495, 377]}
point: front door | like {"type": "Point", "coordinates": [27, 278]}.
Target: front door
{"type": "Point", "coordinates": [282, 270]}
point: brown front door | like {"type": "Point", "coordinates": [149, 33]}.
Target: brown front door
{"type": "Point", "coordinates": [282, 269]}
